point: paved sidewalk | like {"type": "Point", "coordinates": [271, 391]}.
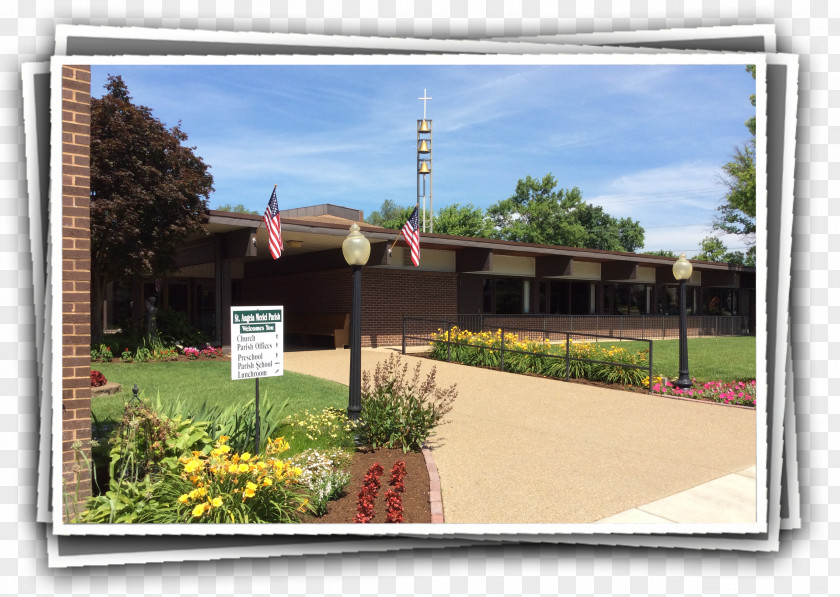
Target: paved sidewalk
{"type": "Point", "coordinates": [521, 449]}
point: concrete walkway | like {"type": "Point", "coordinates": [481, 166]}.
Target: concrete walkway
{"type": "Point", "coordinates": [521, 449]}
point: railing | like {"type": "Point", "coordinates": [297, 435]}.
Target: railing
{"type": "Point", "coordinates": [647, 327]}
{"type": "Point", "coordinates": [420, 330]}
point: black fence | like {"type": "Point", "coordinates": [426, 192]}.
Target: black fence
{"type": "Point", "coordinates": [417, 331]}
{"type": "Point", "coordinates": [646, 327]}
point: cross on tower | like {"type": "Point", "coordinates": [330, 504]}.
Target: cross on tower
{"type": "Point", "coordinates": [424, 98]}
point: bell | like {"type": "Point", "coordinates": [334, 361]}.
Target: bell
{"type": "Point", "coordinates": [424, 168]}
{"type": "Point", "coordinates": [424, 127]}
{"type": "Point", "coordinates": [424, 147]}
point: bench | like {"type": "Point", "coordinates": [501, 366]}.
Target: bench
{"type": "Point", "coordinates": [335, 325]}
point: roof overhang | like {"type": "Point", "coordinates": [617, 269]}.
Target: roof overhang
{"type": "Point", "coordinates": [301, 236]}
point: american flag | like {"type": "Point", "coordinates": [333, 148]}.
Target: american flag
{"type": "Point", "coordinates": [411, 232]}
{"type": "Point", "coordinates": [272, 223]}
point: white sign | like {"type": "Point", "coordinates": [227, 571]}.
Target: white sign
{"type": "Point", "coordinates": [256, 342]}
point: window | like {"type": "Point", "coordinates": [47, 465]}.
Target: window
{"type": "Point", "coordinates": [509, 297]}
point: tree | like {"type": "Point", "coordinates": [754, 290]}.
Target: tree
{"type": "Point", "coordinates": [466, 220]}
{"type": "Point", "coordinates": [661, 253]}
{"type": "Point", "coordinates": [148, 193]}
{"type": "Point", "coordinates": [713, 249]}
{"type": "Point", "coordinates": [537, 213]}
{"type": "Point", "coordinates": [736, 215]}
{"type": "Point", "coordinates": [390, 215]}
{"type": "Point", "coordinates": [237, 209]}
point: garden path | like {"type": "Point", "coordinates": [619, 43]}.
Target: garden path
{"type": "Point", "coordinates": [522, 449]}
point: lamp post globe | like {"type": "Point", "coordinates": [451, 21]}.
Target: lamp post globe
{"type": "Point", "coordinates": [356, 247]}
{"type": "Point", "coordinates": [682, 272]}
{"type": "Point", "coordinates": [356, 250]}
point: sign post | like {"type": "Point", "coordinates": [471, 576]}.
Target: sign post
{"type": "Point", "coordinates": [256, 350]}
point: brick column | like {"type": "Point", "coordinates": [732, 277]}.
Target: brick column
{"type": "Point", "coordinates": [75, 177]}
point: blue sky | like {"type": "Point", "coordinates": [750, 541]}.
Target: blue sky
{"type": "Point", "coordinates": [643, 141]}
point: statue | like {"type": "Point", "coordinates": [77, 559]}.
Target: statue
{"type": "Point", "coordinates": [151, 311]}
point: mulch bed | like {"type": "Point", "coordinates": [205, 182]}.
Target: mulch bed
{"type": "Point", "coordinates": [415, 499]}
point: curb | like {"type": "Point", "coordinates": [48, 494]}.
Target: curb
{"type": "Point", "coordinates": [435, 498]}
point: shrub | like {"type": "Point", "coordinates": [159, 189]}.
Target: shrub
{"type": "Point", "coordinates": [235, 420]}
{"type": "Point", "coordinates": [142, 354]}
{"type": "Point", "coordinates": [105, 353]}
{"type": "Point", "coordinates": [97, 379]}
{"type": "Point", "coordinates": [399, 413]}
{"type": "Point", "coordinates": [144, 452]}
{"type": "Point", "coordinates": [175, 327]}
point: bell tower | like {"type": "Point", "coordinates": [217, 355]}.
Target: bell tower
{"type": "Point", "coordinates": [424, 165]}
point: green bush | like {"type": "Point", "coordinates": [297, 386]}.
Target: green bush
{"type": "Point", "coordinates": [145, 449]}
{"type": "Point", "coordinates": [174, 326]}
{"type": "Point", "coordinates": [235, 421]}
{"type": "Point", "coordinates": [401, 413]}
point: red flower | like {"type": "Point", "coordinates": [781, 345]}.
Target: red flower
{"type": "Point", "coordinates": [367, 494]}
{"type": "Point", "coordinates": [97, 379]}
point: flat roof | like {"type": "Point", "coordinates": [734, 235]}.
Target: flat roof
{"type": "Point", "coordinates": [327, 225]}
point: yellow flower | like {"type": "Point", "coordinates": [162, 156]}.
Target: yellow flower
{"type": "Point", "coordinates": [198, 510]}
{"type": "Point", "coordinates": [267, 481]}
{"type": "Point", "coordinates": [224, 438]}
{"type": "Point", "coordinates": [246, 456]}
{"type": "Point", "coordinates": [233, 469]}
{"type": "Point", "coordinates": [217, 502]}
{"type": "Point", "coordinates": [184, 498]}
{"type": "Point", "coordinates": [243, 468]}
{"type": "Point", "coordinates": [192, 465]}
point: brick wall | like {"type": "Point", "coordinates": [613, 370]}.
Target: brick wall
{"type": "Point", "coordinates": [387, 295]}
{"type": "Point", "coordinates": [75, 177]}
{"type": "Point", "coordinates": [326, 291]}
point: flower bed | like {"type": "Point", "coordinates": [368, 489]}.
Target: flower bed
{"type": "Point", "coordinates": [393, 497]}
{"type": "Point", "coordinates": [483, 349]}
{"type": "Point", "coordinates": [209, 352]}
{"type": "Point", "coordinates": [225, 487]}
{"type": "Point", "coordinates": [367, 495]}
{"type": "Point", "coordinates": [738, 393]}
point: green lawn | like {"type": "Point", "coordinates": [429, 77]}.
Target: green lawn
{"type": "Point", "coordinates": [210, 381]}
{"type": "Point", "coordinates": [724, 358]}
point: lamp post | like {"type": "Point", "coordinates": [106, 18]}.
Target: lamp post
{"type": "Point", "coordinates": [356, 249]}
{"type": "Point", "coordinates": [682, 272]}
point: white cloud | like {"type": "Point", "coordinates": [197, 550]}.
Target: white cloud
{"type": "Point", "coordinates": [676, 204]}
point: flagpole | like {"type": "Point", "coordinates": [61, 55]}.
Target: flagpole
{"type": "Point", "coordinates": [261, 221]}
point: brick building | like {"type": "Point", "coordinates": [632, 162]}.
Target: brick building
{"type": "Point", "coordinates": [232, 265]}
